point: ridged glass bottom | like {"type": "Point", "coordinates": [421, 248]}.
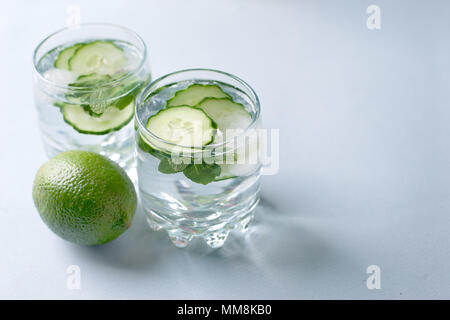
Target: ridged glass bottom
{"type": "Point", "coordinates": [214, 234]}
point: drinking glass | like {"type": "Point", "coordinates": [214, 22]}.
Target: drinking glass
{"type": "Point", "coordinates": [175, 200]}
{"type": "Point", "coordinates": [67, 106]}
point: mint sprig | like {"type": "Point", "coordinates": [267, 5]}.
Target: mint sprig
{"type": "Point", "coordinates": [202, 173]}
{"type": "Point", "coordinates": [102, 97]}
{"type": "Point", "coordinates": [167, 166]}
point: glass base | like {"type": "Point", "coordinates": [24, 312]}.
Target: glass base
{"type": "Point", "coordinates": [214, 235]}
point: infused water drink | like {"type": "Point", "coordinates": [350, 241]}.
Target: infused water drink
{"type": "Point", "coordinates": [86, 81]}
{"type": "Point", "coordinates": [198, 155]}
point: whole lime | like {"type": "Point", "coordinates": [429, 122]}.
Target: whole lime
{"type": "Point", "coordinates": [84, 197]}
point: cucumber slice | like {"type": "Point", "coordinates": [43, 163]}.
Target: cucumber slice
{"type": "Point", "coordinates": [231, 115]}
{"type": "Point", "coordinates": [195, 93]}
{"type": "Point", "coordinates": [62, 61]}
{"type": "Point", "coordinates": [226, 113]}
{"type": "Point", "coordinates": [101, 57]}
{"type": "Point", "coordinates": [181, 125]}
{"type": "Point", "coordinates": [244, 164]}
{"type": "Point", "coordinates": [80, 118]}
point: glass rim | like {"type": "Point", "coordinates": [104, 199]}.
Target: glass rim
{"type": "Point", "coordinates": [153, 86]}
{"type": "Point", "coordinates": [112, 83]}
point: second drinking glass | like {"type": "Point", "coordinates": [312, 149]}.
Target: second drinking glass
{"type": "Point", "coordinates": [198, 154]}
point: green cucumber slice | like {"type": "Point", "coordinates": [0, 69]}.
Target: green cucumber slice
{"type": "Point", "coordinates": [230, 115]}
{"type": "Point", "coordinates": [101, 57]}
{"type": "Point", "coordinates": [243, 163]}
{"type": "Point", "coordinates": [181, 125]}
{"type": "Point", "coordinates": [81, 119]}
{"type": "Point", "coordinates": [195, 93]}
{"type": "Point", "coordinates": [226, 113]}
{"type": "Point", "coordinates": [62, 61]}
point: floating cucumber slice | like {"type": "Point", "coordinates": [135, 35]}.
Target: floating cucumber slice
{"type": "Point", "coordinates": [231, 115]}
{"type": "Point", "coordinates": [195, 93]}
{"type": "Point", "coordinates": [81, 119]}
{"type": "Point", "coordinates": [101, 57]}
{"type": "Point", "coordinates": [62, 61]}
{"type": "Point", "coordinates": [240, 168]}
{"type": "Point", "coordinates": [226, 113]}
{"type": "Point", "coordinates": [181, 125]}
{"type": "Point", "coordinates": [244, 162]}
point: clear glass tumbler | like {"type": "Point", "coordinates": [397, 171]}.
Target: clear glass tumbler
{"type": "Point", "coordinates": [86, 79]}
{"type": "Point", "coordinates": [209, 190]}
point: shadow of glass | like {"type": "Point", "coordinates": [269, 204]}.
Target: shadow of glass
{"type": "Point", "coordinates": [275, 241]}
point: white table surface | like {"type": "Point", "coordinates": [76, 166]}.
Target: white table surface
{"type": "Point", "coordinates": [364, 166]}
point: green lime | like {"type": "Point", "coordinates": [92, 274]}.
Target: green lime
{"type": "Point", "coordinates": [84, 197]}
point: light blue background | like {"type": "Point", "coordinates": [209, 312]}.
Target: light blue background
{"type": "Point", "coordinates": [364, 167]}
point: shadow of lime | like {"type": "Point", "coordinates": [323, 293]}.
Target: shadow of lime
{"type": "Point", "coordinates": [136, 249]}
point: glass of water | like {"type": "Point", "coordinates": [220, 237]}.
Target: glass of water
{"type": "Point", "coordinates": [198, 154]}
{"type": "Point", "coordinates": [86, 79]}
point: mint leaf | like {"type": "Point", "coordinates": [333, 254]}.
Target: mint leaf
{"type": "Point", "coordinates": [124, 101]}
{"type": "Point", "coordinates": [131, 88]}
{"type": "Point", "coordinates": [88, 109]}
{"type": "Point", "coordinates": [91, 92]}
{"type": "Point", "coordinates": [99, 97]}
{"type": "Point", "coordinates": [202, 173]}
{"type": "Point", "coordinates": [168, 167]}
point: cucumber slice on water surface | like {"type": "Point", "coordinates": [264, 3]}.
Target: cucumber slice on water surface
{"type": "Point", "coordinates": [226, 113]}
{"type": "Point", "coordinates": [182, 125]}
{"type": "Point", "coordinates": [245, 162]}
{"type": "Point", "coordinates": [62, 61]}
{"type": "Point", "coordinates": [101, 57]}
{"type": "Point", "coordinates": [230, 115]}
{"type": "Point", "coordinates": [195, 93]}
{"type": "Point", "coordinates": [82, 120]}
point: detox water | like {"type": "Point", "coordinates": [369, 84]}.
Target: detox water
{"type": "Point", "coordinates": [186, 208]}
{"type": "Point", "coordinates": [67, 121]}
